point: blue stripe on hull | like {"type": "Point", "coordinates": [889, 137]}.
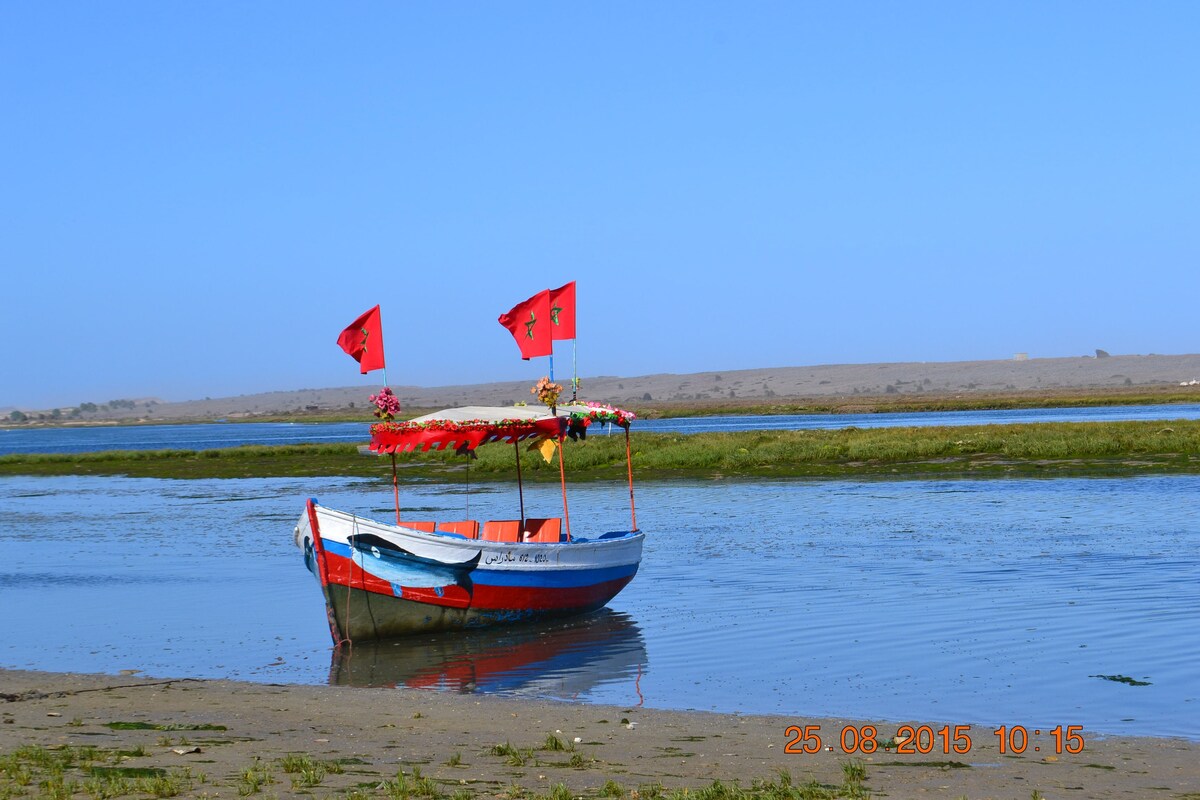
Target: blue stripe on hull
{"type": "Point", "coordinates": [565, 578]}
{"type": "Point", "coordinates": [549, 578]}
{"type": "Point", "coordinates": [337, 548]}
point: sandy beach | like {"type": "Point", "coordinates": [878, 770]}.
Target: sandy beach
{"type": "Point", "coordinates": [226, 738]}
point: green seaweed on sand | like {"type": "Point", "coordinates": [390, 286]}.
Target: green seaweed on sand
{"type": "Point", "coordinates": [170, 726]}
{"type": "Point", "coordinates": [126, 772]}
{"type": "Point", "coordinates": [1125, 679]}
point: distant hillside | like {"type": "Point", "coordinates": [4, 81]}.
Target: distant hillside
{"type": "Point", "coordinates": [915, 379]}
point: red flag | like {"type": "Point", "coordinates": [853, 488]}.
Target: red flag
{"type": "Point", "coordinates": [363, 341]}
{"type": "Point", "coordinates": [562, 311]}
{"type": "Point", "coordinates": [529, 323]}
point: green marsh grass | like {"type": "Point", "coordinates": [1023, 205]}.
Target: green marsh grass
{"type": "Point", "coordinates": [1075, 448]}
{"type": "Point", "coordinates": [56, 787]}
{"type": "Point", "coordinates": [308, 777]}
{"type": "Point", "coordinates": [424, 786]}
{"type": "Point", "coordinates": [758, 790]}
{"type": "Point", "coordinates": [294, 762]}
{"type": "Point", "coordinates": [513, 756]}
{"type": "Point", "coordinates": [397, 788]}
{"type": "Point", "coordinates": [611, 789]}
{"type": "Point", "coordinates": [169, 785]}
{"type": "Point", "coordinates": [69, 773]}
{"type": "Point", "coordinates": [107, 786]}
{"type": "Point", "coordinates": [555, 744]}
{"type": "Point", "coordinates": [252, 779]}
{"type": "Point", "coordinates": [64, 772]}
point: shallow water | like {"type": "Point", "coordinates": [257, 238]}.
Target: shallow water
{"type": "Point", "coordinates": [752, 422]}
{"type": "Point", "coordinates": [990, 602]}
{"type": "Point", "coordinates": [177, 437]}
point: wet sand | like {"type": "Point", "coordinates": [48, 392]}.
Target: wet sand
{"type": "Point", "coordinates": [375, 733]}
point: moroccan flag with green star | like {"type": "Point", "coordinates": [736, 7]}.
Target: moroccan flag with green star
{"type": "Point", "coordinates": [529, 323]}
{"type": "Point", "coordinates": [363, 341]}
{"type": "Point", "coordinates": [562, 311]}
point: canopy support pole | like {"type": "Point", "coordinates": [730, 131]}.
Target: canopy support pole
{"type": "Point", "coordinates": [629, 467]}
{"type": "Point", "coordinates": [562, 477]}
{"type": "Point", "coordinates": [395, 487]}
{"type": "Point", "coordinates": [520, 488]}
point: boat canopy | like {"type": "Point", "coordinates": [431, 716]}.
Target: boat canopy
{"type": "Point", "coordinates": [468, 427]}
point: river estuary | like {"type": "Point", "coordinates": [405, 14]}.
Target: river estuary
{"type": "Point", "coordinates": [991, 601]}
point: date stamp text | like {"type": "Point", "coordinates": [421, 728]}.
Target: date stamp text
{"type": "Point", "coordinates": [926, 739]}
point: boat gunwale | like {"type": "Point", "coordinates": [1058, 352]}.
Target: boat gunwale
{"type": "Point", "coordinates": [581, 547]}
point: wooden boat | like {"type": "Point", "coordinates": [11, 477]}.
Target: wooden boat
{"type": "Point", "coordinates": [382, 580]}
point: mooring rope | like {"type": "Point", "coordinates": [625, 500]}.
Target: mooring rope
{"type": "Point", "coordinates": [629, 467]}
{"type": "Point", "coordinates": [350, 584]}
{"type": "Point", "coordinates": [395, 487]}
{"type": "Point", "coordinates": [520, 486]}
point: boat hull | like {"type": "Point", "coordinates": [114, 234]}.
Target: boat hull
{"type": "Point", "coordinates": [382, 581]}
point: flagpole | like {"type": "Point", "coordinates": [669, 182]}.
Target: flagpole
{"type": "Point", "coordinates": [574, 372]}
{"type": "Point", "coordinates": [552, 363]}
{"type": "Point", "coordinates": [383, 366]}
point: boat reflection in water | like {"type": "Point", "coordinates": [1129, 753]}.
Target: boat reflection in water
{"type": "Point", "coordinates": [559, 660]}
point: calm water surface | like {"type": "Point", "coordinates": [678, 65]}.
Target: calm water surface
{"type": "Point", "coordinates": [213, 435]}
{"type": "Point", "coordinates": [966, 602]}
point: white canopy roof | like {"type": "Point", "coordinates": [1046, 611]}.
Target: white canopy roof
{"type": "Point", "coordinates": [485, 414]}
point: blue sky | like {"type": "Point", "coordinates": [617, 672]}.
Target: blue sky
{"type": "Point", "coordinates": [198, 197]}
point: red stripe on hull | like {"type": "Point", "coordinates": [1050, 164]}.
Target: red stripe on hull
{"type": "Point", "coordinates": [343, 571]}
{"type": "Point", "coordinates": [546, 598]}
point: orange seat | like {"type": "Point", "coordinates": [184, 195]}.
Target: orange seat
{"type": "Point", "coordinates": [502, 530]}
{"type": "Point", "coordinates": [425, 527]}
{"type": "Point", "coordinates": [468, 528]}
{"type": "Point", "coordinates": [543, 530]}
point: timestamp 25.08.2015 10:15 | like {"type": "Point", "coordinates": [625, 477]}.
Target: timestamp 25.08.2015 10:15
{"type": "Point", "coordinates": [925, 739]}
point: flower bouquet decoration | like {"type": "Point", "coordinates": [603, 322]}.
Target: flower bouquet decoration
{"type": "Point", "coordinates": [548, 393]}
{"type": "Point", "coordinates": [387, 405]}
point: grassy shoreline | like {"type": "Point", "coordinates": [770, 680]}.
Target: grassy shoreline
{"type": "Point", "coordinates": [1042, 449]}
